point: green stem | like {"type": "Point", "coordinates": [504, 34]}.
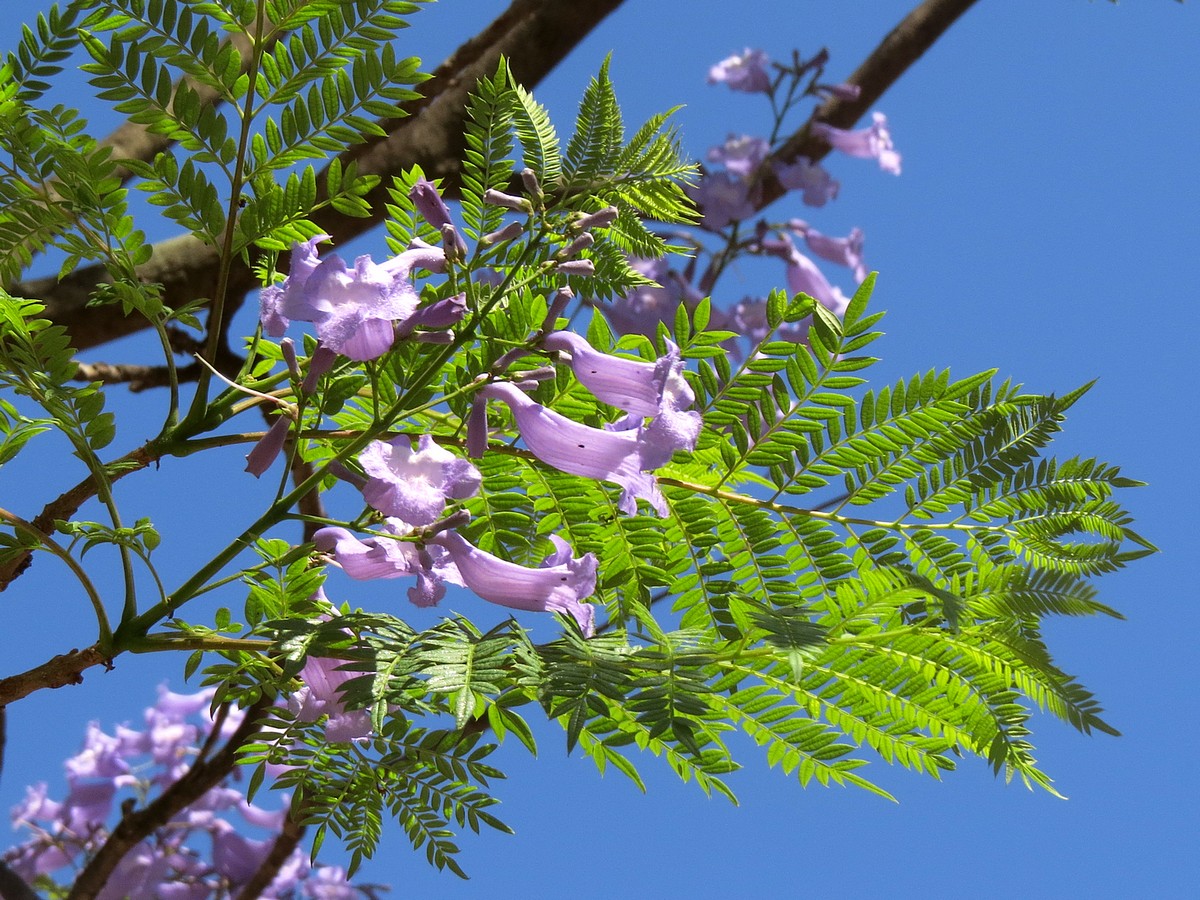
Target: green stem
{"type": "Point", "coordinates": [105, 642]}
{"type": "Point", "coordinates": [215, 324]}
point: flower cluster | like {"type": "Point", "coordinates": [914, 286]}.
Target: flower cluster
{"type": "Point", "coordinates": [730, 191]}
{"type": "Point", "coordinates": [169, 863]}
{"type": "Point", "coordinates": [412, 487]}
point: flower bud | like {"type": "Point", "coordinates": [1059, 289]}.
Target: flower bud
{"type": "Point", "coordinates": [558, 304]}
{"type": "Point", "coordinates": [477, 430]}
{"type": "Point", "coordinates": [429, 203]}
{"type": "Point", "coordinates": [580, 243]}
{"type": "Point", "coordinates": [319, 363]}
{"type": "Point", "coordinates": [288, 347]}
{"type": "Point", "coordinates": [583, 267]}
{"type": "Point", "coordinates": [509, 232]}
{"type": "Point", "coordinates": [269, 446]}
{"type": "Point", "coordinates": [601, 219]}
{"type": "Point", "coordinates": [453, 243]}
{"type": "Point", "coordinates": [530, 180]}
{"type": "Point", "coordinates": [508, 201]}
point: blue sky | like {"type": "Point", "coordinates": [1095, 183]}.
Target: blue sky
{"type": "Point", "coordinates": [1043, 225]}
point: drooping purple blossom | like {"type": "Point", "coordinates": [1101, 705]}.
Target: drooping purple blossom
{"type": "Point", "coordinates": [636, 386]}
{"type": "Point", "coordinates": [818, 187]}
{"type": "Point", "coordinates": [740, 154]}
{"type": "Point", "coordinates": [559, 585]}
{"type": "Point", "coordinates": [622, 457]}
{"type": "Point", "coordinates": [745, 71]}
{"type": "Point", "coordinates": [803, 276]}
{"type": "Point", "coordinates": [872, 142]}
{"type": "Point", "coordinates": [267, 449]}
{"type": "Point", "coordinates": [723, 198]}
{"type": "Point", "coordinates": [385, 556]}
{"type": "Point", "coordinates": [323, 679]}
{"type": "Point", "coordinates": [353, 309]}
{"type": "Point", "coordinates": [847, 251]}
{"type": "Point", "coordinates": [414, 485]}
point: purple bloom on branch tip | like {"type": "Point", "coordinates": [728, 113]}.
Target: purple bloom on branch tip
{"type": "Point", "coordinates": [415, 485]}
{"type": "Point", "coordinates": [740, 155]}
{"type": "Point", "coordinates": [746, 72]}
{"type": "Point", "coordinates": [643, 388]}
{"type": "Point", "coordinates": [559, 585]}
{"type": "Point", "coordinates": [723, 198]}
{"type": "Point", "coordinates": [621, 457]}
{"type": "Point", "coordinates": [872, 142]}
{"type": "Point", "coordinates": [847, 251]}
{"type": "Point", "coordinates": [817, 185]}
{"type": "Point", "coordinates": [353, 309]}
{"type": "Point", "coordinates": [803, 276]}
{"type": "Point", "coordinates": [323, 679]}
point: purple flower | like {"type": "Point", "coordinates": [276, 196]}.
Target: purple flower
{"type": "Point", "coordinates": [321, 695]}
{"type": "Point", "coordinates": [740, 155]}
{"type": "Point", "coordinates": [268, 447]}
{"type": "Point", "coordinates": [847, 251]}
{"type": "Point", "coordinates": [616, 456]}
{"type": "Point", "coordinates": [353, 309]}
{"type": "Point", "coordinates": [642, 388]}
{"type": "Point", "coordinates": [559, 585]}
{"type": "Point", "coordinates": [429, 203]}
{"type": "Point", "coordinates": [415, 485]}
{"type": "Point", "coordinates": [385, 557]}
{"type": "Point", "coordinates": [804, 175]}
{"type": "Point", "coordinates": [640, 311]}
{"type": "Point", "coordinates": [723, 198]}
{"type": "Point", "coordinates": [873, 142]}
{"type": "Point", "coordinates": [803, 276]}
{"type": "Point", "coordinates": [743, 72]}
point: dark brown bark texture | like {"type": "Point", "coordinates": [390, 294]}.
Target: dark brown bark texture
{"type": "Point", "coordinates": [535, 35]}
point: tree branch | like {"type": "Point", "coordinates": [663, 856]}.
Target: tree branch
{"type": "Point", "coordinates": [67, 668]}
{"type": "Point", "coordinates": [535, 34]}
{"type": "Point", "coordinates": [289, 837]}
{"type": "Point", "coordinates": [903, 46]}
{"type": "Point", "coordinates": [204, 775]}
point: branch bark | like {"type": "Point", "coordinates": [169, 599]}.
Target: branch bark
{"type": "Point", "coordinates": [534, 34]}
{"type": "Point", "coordinates": [194, 784]}
{"type": "Point", "coordinates": [899, 50]}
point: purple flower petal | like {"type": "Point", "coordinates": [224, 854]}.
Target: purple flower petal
{"type": "Point", "coordinates": [847, 251]}
{"type": "Point", "coordinates": [415, 485]}
{"type": "Point", "coordinates": [817, 185]}
{"type": "Point", "coordinates": [723, 198]}
{"type": "Point", "coordinates": [740, 155]}
{"type": "Point", "coordinates": [268, 447]}
{"type": "Point", "coordinates": [872, 142]}
{"type": "Point", "coordinates": [559, 587]}
{"type": "Point", "coordinates": [746, 71]}
{"type": "Point", "coordinates": [641, 388]}
{"type": "Point", "coordinates": [577, 449]}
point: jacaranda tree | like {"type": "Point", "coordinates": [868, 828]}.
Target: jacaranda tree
{"type": "Point", "coordinates": [525, 395]}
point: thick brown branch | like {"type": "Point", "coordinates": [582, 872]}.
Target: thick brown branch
{"type": "Point", "coordinates": [135, 826]}
{"type": "Point", "coordinates": [289, 838]}
{"type": "Point", "coordinates": [536, 34]}
{"type": "Point", "coordinates": [903, 46]}
{"type": "Point", "coordinates": [60, 671]}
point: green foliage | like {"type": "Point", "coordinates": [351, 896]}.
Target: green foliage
{"type": "Point", "coordinates": [843, 573]}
